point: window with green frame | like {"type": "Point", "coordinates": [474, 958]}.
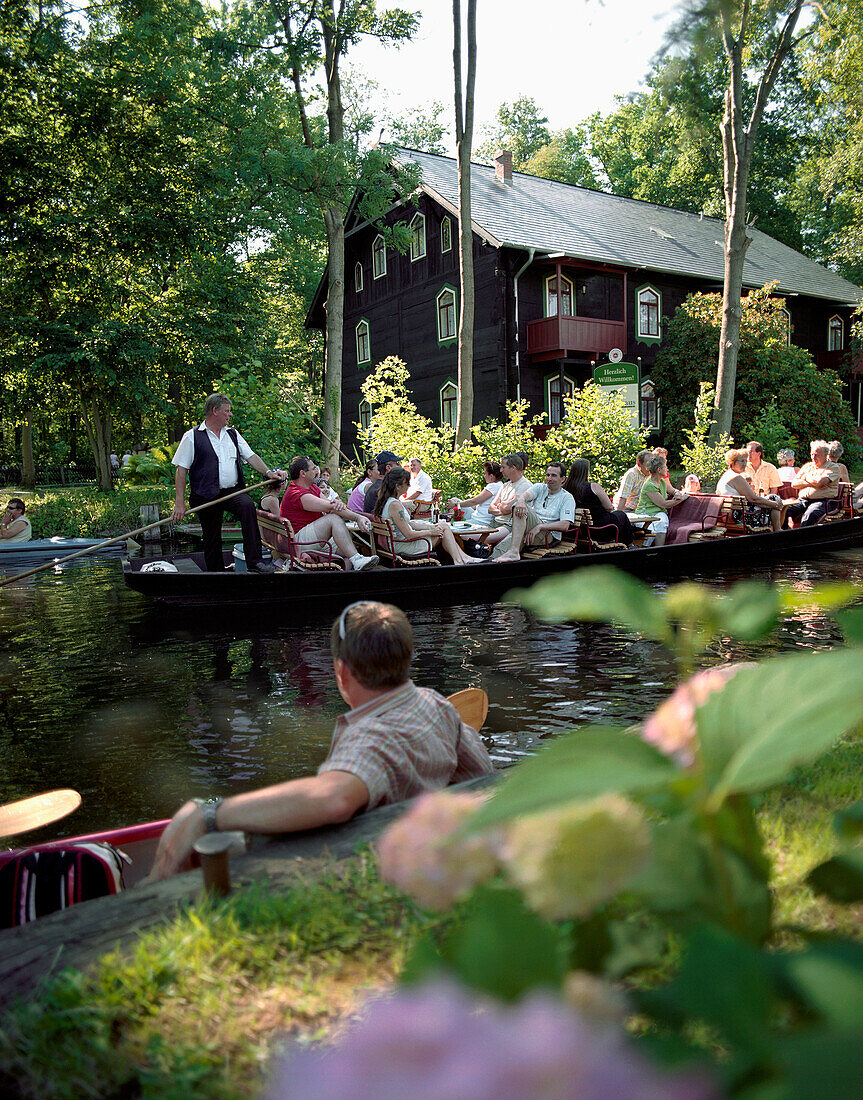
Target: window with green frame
{"type": "Point", "coordinates": [365, 415]}
{"type": "Point", "coordinates": [449, 403]}
{"type": "Point", "coordinates": [379, 258]}
{"type": "Point", "coordinates": [418, 237]}
{"type": "Point", "coordinates": [553, 405]}
{"type": "Point", "coordinates": [446, 235]}
{"type": "Point", "coordinates": [447, 320]}
{"type": "Point", "coordinates": [364, 347]}
{"type": "Point", "coordinates": [648, 314]}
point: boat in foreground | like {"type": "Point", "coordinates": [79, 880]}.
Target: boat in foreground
{"type": "Point", "coordinates": [58, 546]}
{"type": "Point", "coordinates": [193, 587]}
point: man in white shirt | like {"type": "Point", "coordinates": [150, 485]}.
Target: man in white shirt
{"type": "Point", "coordinates": [762, 476]}
{"type": "Point", "coordinates": [420, 487]}
{"type": "Point", "coordinates": [545, 509]}
{"type": "Point", "coordinates": [212, 456]}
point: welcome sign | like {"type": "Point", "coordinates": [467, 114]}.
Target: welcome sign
{"type": "Point", "coordinates": [621, 378]}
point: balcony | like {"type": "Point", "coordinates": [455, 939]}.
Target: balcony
{"type": "Point", "coordinates": [556, 337]}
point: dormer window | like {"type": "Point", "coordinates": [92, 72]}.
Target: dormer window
{"type": "Point", "coordinates": [648, 315]}
{"type": "Point", "coordinates": [836, 334]}
{"type": "Point", "coordinates": [551, 296]}
{"type": "Point", "coordinates": [446, 235]}
{"type": "Point", "coordinates": [379, 258]}
{"type": "Point", "coordinates": [418, 237]}
{"type": "Point", "coordinates": [358, 277]}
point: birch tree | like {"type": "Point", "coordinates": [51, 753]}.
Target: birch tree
{"type": "Point", "coordinates": [464, 99]}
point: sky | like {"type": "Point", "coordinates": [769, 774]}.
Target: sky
{"type": "Point", "coordinates": [573, 57]}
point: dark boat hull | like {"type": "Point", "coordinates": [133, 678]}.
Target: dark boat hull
{"type": "Point", "coordinates": [479, 583]}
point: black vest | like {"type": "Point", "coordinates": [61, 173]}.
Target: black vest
{"type": "Point", "coordinates": [204, 471]}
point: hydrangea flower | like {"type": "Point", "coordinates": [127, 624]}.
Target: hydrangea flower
{"type": "Point", "coordinates": [421, 855]}
{"type": "Point", "coordinates": [438, 1043]}
{"type": "Point", "coordinates": [671, 727]}
{"type": "Point", "coordinates": [569, 860]}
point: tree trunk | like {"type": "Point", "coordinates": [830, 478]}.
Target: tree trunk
{"type": "Point", "coordinates": [28, 468]}
{"type": "Point", "coordinates": [464, 105]}
{"type": "Point", "coordinates": [176, 421]}
{"type": "Point", "coordinates": [331, 421]}
{"type": "Point", "coordinates": [99, 432]}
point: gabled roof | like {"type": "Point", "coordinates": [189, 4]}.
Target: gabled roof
{"type": "Point", "coordinates": [556, 217]}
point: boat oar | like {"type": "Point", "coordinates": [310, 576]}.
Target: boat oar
{"type": "Point", "coordinates": [120, 538]}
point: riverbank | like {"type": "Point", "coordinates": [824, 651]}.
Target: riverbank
{"type": "Point", "coordinates": [197, 1006]}
{"type": "Point", "coordinates": [83, 512]}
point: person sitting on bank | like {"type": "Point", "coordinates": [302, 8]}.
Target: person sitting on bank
{"type": "Point", "coordinates": [627, 495]}
{"type": "Point", "coordinates": [420, 486]}
{"type": "Point", "coordinates": [385, 460]}
{"type": "Point", "coordinates": [318, 519]}
{"type": "Point", "coordinates": [762, 476]}
{"type": "Point", "coordinates": [510, 493]}
{"type": "Point", "coordinates": [590, 495]}
{"type": "Point", "coordinates": [734, 483]}
{"type": "Point", "coordinates": [15, 526]}
{"type": "Point", "coordinates": [212, 456]}
{"type": "Point", "coordinates": [658, 497]}
{"type": "Point", "coordinates": [835, 453]}
{"type": "Point", "coordinates": [817, 483]}
{"type": "Point", "coordinates": [413, 535]}
{"type": "Point", "coordinates": [787, 469]}
{"type": "Point", "coordinates": [397, 741]}
{"type": "Point", "coordinates": [363, 482]}
{"type": "Point", "coordinates": [547, 509]}
{"type": "Point", "coordinates": [476, 508]}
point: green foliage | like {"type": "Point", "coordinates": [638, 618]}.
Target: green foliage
{"type": "Point", "coordinates": [596, 427]}
{"type": "Point", "coordinates": [808, 400]}
{"type": "Point", "coordinates": [153, 468]}
{"type": "Point", "coordinates": [770, 431]}
{"type": "Point", "coordinates": [698, 455]}
{"type": "Point", "coordinates": [88, 513]}
{"type": "Point", "coordinates": [521, 128]}
{"type": "Point", "coordinates": [272, 414]}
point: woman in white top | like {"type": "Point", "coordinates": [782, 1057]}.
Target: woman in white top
{"type": "Point", "coordinates": [787, 470]}
{"type": "Point", "coordinates": [734, 484]}
{"type": "Point", "coordinates": [409, 531]}
{"type": "Point", "coordinates": [480, 516]}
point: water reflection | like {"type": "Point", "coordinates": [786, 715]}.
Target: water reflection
{"type": "Point", "coordinates": [103, 692]}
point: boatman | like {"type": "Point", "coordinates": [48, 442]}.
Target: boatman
{"type": "Point", "coordinates": [212, 455]}
{"type": "Point", "coordinates": [15, 526]}
{"type": "Point", "coordinates": [396, 741]}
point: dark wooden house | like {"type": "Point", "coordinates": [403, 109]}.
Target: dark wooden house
{"type": "Point", "coordinates": [564, 276]}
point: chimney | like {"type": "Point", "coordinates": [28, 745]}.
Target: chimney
{"type": "Point", "coordinates": [503, 166]}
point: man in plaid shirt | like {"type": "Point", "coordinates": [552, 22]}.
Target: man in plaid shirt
{"type": "Point", "coordinates": [396, 741]}
{"type": "Point", "coordinates": [626, 497]}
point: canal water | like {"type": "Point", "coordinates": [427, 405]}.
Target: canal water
{"type": "Point", "coordinates": [138, 707]}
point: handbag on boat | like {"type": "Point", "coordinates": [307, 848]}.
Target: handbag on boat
{"type": "Point", "coordinates": [35, 882]}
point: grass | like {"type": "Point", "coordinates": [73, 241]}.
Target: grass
{"type": "Point", "coordinates": [84, 512]}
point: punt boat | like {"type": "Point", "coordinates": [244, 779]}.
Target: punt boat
{"type": "Point", "coordinates": [57, 546]}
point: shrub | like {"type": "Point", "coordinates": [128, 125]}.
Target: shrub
{"type": "Point", "coordinates": [596, 427]}
{"type": "Point", "coordinates": [697, 455]}
{"type": "Point", "coordinates": [770, 431]}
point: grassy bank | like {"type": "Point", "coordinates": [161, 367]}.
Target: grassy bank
{"type": "Point", "coordinates": [83, 512]}
{"type": "Point", "coordinates": [198, 1007]}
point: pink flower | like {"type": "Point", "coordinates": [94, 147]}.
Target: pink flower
{"type": "Point", "coordinates": [421, 854]}
{"type": "Point", "coordinates": [671, 727]}
{"type": "Point", "coordinates": [439, 1043]}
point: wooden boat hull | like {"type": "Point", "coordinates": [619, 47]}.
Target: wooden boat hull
{"type": "Point", "coordinates": [477, 583]}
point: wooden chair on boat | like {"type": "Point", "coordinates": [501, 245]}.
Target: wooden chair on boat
{"type": "Point", "coordinates": [472, 705]}
{"type": "Point", "coordinates": [561, 547]}
{"type": "Point", "coordinates": [587, 530]}
{"type": "Point", "coordinates": [842, 505]}
{"type": "Point", "coordinates": [277, 534]}
{"type": "Point", "coordinates": [730, 521]}
{"type": "Point", "coordinates": [423, 509]}
{"type": "Point", "coordinates": [385, 536]}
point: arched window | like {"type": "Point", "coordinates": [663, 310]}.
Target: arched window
{"type": "Point", "coordinates": [449, 403]}
{"type": "Point", "coordinates": [447, 326]}
{"type": "Point", "coordinates": [649, 405]}
{"type": "Point", "coordinates": [551, 296]}
{"type": "Point", "coordinates": [379, 258]}
{"type": "Point", "coordinates": [418, 237]}
{"type": "Point", "coordinates": [648, 314]}
{"type": "Point", "coordinates": [358, 277]}
{"type": "Point", "coordinates": [836, 334]}
{"type": "Point", "coordinates": [364, 348]}
{"type": "Point", "coordinates": [446, 235]}
{"type": "Point", "coordinates": [365, 412]}
{"type": "Point", "coordinates": [554, 407]}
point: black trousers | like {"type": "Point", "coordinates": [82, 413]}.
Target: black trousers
{"type": "Point", "coordinates": [243, 508]}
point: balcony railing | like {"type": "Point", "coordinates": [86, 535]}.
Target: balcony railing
{"type": "Point", "coordinates": [554, 337]}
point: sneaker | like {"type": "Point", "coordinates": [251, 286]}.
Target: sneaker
{"type": "Point", "coordinates": [359, 562]}
{"type": "Point", "coordinates": [261, 567]}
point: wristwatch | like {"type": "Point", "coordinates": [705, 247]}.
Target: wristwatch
{"type": "Point", "coordinates": [209, 808]}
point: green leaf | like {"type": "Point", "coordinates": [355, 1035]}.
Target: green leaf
{"type": "Point", "coordinates": [824, 597]}
{"type": "Point", "coordinates": [583, 764]}
{"type": "Point", "coordinates": [772, 717]}
{"type": "Point", "coordinates": [505, 949]}
{"type": "Point", "coordinates": [840, 878]}
{"type": "Point", "coordinates": [848, 823]}
{"type": "Point", "coordinates": [750, 611]}
{"type": "Point", "coordinates": [851, 625]}
{"type": "Point", "coordinates": [820, 1064]}
{"type": "Point", "coordinates": [602, 594]}
{"type": "Point", "coordinates": [828, 977]}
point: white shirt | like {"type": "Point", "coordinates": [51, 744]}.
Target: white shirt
{"type": "Point", "coordinates": [787, 474]}
{"type": "Point", "coordinates": [423, 483]}
{"type": "Point", "coordinates": [225, 450]}
{"type": "Point", "coordinates": [553, 507]}
{"type": "Point", "coordinates": [509, 492]}
{"type": "Point", "coordinates": [481, 515]}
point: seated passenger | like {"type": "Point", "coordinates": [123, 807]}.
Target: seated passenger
{"type": "Point", "coordinates": [412, 535]}
{"type": "Point", "coordinates": [543, 509]}
{"type": "Point", "coordinates": [15, 526]}
{"type": "Point", "coordinates": [510, 493]}
{"type": "Point", "coordinates": [476, 508]}
{"type": "Point", "coordinates": [664, 453]}
{"type": "Point", "coordinates": [692, 485]}
{"type": "Point", "coordinates": [787, 469]}
{"type": "Point", "coordinates": [762, 476]}
{"type": "Point", "coordinates": [420, 486]}
{"type": "Point", "coordinates": [626, 497]}
{"type": "Point", "coordinates": [386, 460]}
{"type": "Point", "coordinates": [817, 483]}
{"type": "Point", "coordinates": [370, 475]}
{"type": "Point", "coordinates": [658, 497]}
{"type": "Point", "coordinates": [835, 452]}
{"type": "Point", "coordinates": [588, 494]}
{"type": "Point", "coordinates": [323, 483]}
{"type": "Point", "coordinates": [734, 484]}
{"type": "Point", "coordinates": [271, 499]}
{"type": "Point", "coordinates": [320, 520]}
